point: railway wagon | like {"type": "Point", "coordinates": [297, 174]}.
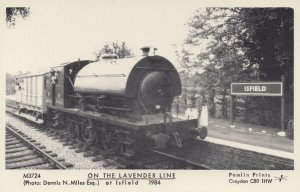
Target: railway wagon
{"type": "Point", "coordinates": [120, 105]}
{"type": "Point", "coordinates": [30, 95]}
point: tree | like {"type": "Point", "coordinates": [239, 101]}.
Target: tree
{"type": "Point", "coordinates": [244, 45]}
{"type": "Point", "coordinates": [13, 12]}
{"type": "Point", "coordinates": [10, 84]}
{"type": "Point", "coordinates": [120, 49]}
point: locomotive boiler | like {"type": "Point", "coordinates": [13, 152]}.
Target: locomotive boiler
{"type": "Point", "coordinates": [120, 105]}
{"type": "Point", "coordinates": [131, 86]}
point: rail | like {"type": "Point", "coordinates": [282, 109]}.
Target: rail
{"type": "Point", "coordinates": [46, 156]}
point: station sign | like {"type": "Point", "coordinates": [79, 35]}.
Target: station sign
{"type": "Point", "coordinates": [257, 89]}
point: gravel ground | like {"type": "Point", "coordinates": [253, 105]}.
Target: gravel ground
{"type": "Point", "coordinates": [64, 152]}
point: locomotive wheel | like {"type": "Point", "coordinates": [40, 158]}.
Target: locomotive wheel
{"type": "Point", "coordinates": [89, 136]}
{"type": "Point", "coordinates": [36, 116]}
{"type": "Point", "coordinates": [88, 133]}
{"type": "Point", "coordinates": [73, 129]}
{"type": "Point", "coordinates": [110, 141]}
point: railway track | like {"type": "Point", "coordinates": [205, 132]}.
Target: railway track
{"type": "Point", "coordinates": [87, 151]}
{"type": "Point", "coordinates": [76, 145]}
{"type": "Point", "coordinates": [198, 154]}
{"type": "Point", "coordinates": [184, 162]}
{"type": "Point", "coordinates": [153, 160]}
{"type": "Point", "coordinates": [223, 157]}
{"type": "Point", "coordinates": [23, 152]}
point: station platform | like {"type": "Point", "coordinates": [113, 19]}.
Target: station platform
{"type": "Point", "coordinates": [259, 136]}
{"type": "Point", "coordinates": [245, 134]}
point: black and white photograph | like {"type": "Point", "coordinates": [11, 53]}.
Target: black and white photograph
{"type": "Point", "coordinates": [141, 94]}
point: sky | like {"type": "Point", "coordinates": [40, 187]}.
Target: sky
{"type": "Point", "coordinates": [56, 33]}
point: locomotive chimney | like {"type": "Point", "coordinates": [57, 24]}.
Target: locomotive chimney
{"type": "Point", "coordinates": [148, 51]}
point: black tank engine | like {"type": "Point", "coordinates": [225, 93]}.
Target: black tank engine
{"type": "Point", "coordinates": [120, 105]}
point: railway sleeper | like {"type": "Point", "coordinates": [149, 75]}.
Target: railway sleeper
{"type": "Point", "coordinates": [98, 158]}
{"type": "Point", "coordinates": [26, 158]}
{"type": "Point", "coordinates": [10, 137]}
{"type": "Point", "coordinates": [68, 165]}
{"type": "Point", "coordinates": [19, 165]}
{"type": "Point", "coordinates": [14, 146]}
{"type": "Point", "coordinates": [81, 149]}
{"type": "Point", "coordinates": [13, 143]}
{"type": "Point", "coordinates": [17, 150]}
{"type": "Point", "coordinates": [75, 146]}
{"type": "Point", "coordinates": [13, 156]}
{"type": "Point", "coordinates": [10, 140]}
{"type": "Point", "coordinates": [90, 153]}
{"type": "Point", "coordinates": [68, 142]}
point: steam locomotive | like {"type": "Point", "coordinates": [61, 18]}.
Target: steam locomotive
{"type": "Point", "coordinates": [120, 105]}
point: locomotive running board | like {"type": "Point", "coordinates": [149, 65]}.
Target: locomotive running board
{"type": "Point", "coordinates": [119, 121]}
{"type": "Point", "coordinates": [97, 116]}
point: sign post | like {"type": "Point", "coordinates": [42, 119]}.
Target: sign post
{"type": "Point", "coordinates": [282, 106]}
{"type": "Point", "coordinates": [231, 111]}
{"type": "Point", "coordinates": [259, 89]}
